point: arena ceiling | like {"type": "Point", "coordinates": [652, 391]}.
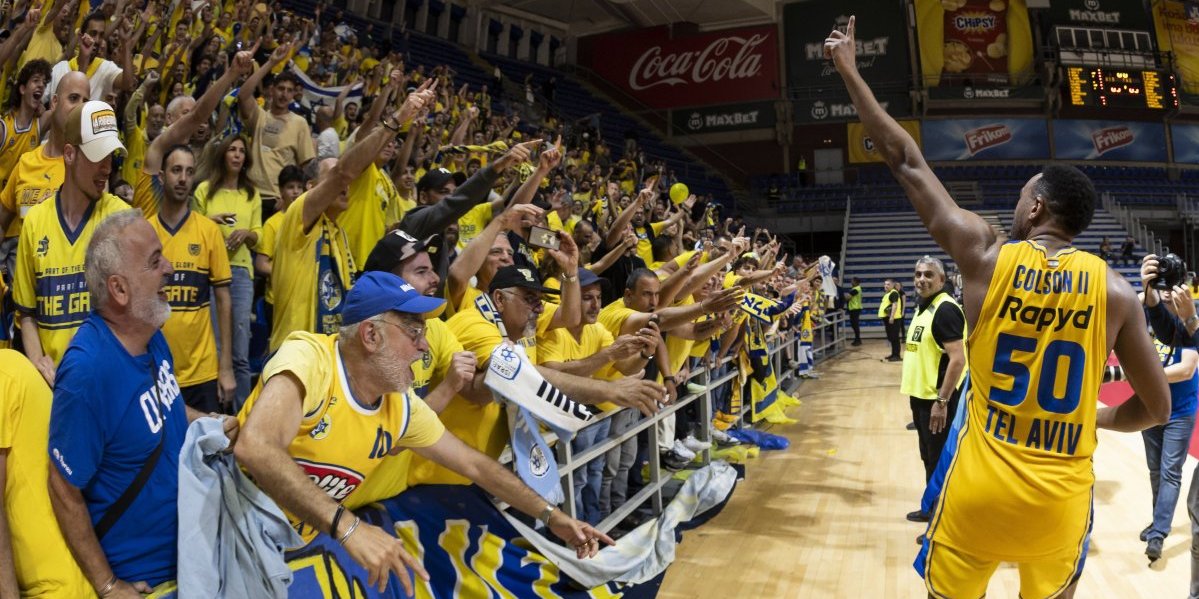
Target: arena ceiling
{"type": "Point", "coordinates": [586, 17]}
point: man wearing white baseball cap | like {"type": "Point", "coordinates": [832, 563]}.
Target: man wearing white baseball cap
{"type": "Point", "coordinates": [48, 286]}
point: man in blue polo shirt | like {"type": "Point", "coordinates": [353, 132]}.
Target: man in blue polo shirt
{"type": "Point", "coordinates": [118, 422]}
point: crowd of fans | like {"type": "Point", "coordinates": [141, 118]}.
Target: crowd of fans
{"type": "Point", "coordinates": [269, 210]}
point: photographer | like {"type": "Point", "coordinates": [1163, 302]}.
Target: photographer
{"type": "Point", "coordinates": [1166, 445]}
{"type": "Point", "coordinates": [1166, 325]}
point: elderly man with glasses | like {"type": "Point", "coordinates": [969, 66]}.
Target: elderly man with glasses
{"type": "Point", "coordinates": [331, 407]}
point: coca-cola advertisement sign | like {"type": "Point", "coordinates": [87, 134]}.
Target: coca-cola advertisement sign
{"type": "Point", "coordinates": [664, 71]}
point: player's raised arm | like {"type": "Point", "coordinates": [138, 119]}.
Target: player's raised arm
{"type": "Point", "coordinates": [962, 233]}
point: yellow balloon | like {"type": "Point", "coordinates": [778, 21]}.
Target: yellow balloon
{"type": "Point", "coordinates": [679, 193]}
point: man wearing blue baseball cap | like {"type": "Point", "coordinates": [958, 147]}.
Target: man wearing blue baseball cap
{"type": "Point", "coordinates": [329, 408]}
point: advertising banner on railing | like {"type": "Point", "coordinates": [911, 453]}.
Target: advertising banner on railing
{"type": "Point", "coordinates": [882, 40]}
{"type": "Point", "coordinates": [661, 71]}
{"type": "Point", "coordinates": [1186, 143]}
{"type": "Point", "coordinates": [1178, 33]}
{"type": "Point", "coordinates": [975, 42]}
{"type": "Point", "coordinates": [985, 139]}
{"type": "Point", "coordinates": [861, 147]}
{"type": "Point", "coordinates": [1109, 140]}
{"type": "Point", "coordinates": [1102, 14]}
{"type": "Point", "coordinates": [718, 119]}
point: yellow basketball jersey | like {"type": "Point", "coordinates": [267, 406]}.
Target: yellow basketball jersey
{"type": "Point", "coordinates": [1019, 486]}
{"type": "Point", "coordinates": [340, 442]}
{"type": "Point", "coordinates": [16, 141]}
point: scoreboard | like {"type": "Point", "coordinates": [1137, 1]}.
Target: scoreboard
{"type": "Point", "coordinates": [1121, 88]}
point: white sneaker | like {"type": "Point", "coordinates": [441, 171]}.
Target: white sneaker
{"type": "Point", "coordinates": [722, 438]}
{"type": "Point", "coordinates": [694, 389]}
{"type": "Point", "coordinates": [811, 374]}
{"type": "Point", "coordinates": [683, 451]}
{"type": "Point", "coordinates": [696, 445]}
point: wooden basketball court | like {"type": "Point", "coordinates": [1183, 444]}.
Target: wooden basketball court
{"type": "Point", "coordinates": [825, 518]}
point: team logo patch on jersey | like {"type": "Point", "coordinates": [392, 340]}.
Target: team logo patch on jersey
{"type": "Point", "coordinates": [193, 249]}
{"type": "Point", "coordinates": [321, 430]}
{"type": "Point", "coordinates": [338, 482]}
{"type": "Point", "coordinates": [43, 246]}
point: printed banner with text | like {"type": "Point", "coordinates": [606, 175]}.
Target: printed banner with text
{"type": "Point", "coordinates": [718, 119]}
{"type": "Point", "coordinates": [716, 67]}
{"type": "Point", "coordinates": [833, 109]}
{"type": "Point", "coordinates": [975, 42]}
{"type": "Point", "coordinates": [882, 41]}
{"type": "Point", "coordinates": [1109, 140]}
{"type": "Point", "coordinates": [985, 139]}
{"type": "Point", "coordinates": [1106, 14]}
{"type": "Point", "coordinates": [861, 147]}
{"type": "Point", "coordinates": [1177, 33]}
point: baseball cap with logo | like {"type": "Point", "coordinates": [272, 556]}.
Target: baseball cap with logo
{"type": "Point", "coordinates": [92, 127]}
{"type": "Point", "coordinates": [398, 246]}
{"type": "Point", "coordinates": [377, 292]}
{"type": "Point", "coordinates": [518, 276]}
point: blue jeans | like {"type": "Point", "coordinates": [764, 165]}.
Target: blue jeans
{"type": "Point", "coordinates": [589, 477]}
{"type": "Point", "coordinates": [241, 293]}
{"type": "Point", "coordinates": [1165, 452]}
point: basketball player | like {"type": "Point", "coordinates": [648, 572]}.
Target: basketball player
{"type": "Point", "coordinates": [1043, 317]}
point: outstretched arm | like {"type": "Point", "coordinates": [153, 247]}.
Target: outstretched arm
{"type": "Point", "coordinates": [967, 238]}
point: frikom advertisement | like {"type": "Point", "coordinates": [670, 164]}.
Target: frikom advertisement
{"type": "Point", "coordinates": [974, 42]}
{"type": "Point", "coordinates": [985, 139]}
{"type": "Point", "coordinates": [1109, 140]}
{"type": "Point", "coordinates": [660, 70]}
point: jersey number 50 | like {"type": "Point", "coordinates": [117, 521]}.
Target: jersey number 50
{"type": "Point", "coordinates": [1076, 360]}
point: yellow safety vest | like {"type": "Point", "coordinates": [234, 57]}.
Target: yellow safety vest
{"type": "Point", "coordinates": [922, 358]}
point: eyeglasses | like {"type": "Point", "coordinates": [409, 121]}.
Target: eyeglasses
{"type": "Point", "coordinates": [535, 304]}
{"type": "Point", "coordinates": [416, 334]}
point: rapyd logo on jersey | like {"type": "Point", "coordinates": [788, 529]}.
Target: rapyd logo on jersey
{"type": "Point", "coordinates": [1110, 138]}
{"type": "Point", "coordinates": [987, 136]}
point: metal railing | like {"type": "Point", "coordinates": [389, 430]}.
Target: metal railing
{"type": "Point", "coordinates": [1133, 225]}
{"type": "Point", "coordinates": [829, 338]}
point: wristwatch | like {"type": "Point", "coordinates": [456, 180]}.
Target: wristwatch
{"type": "Point", "coordinates": [942, 401]}
{"type": "Point", "coordinates": [545, 514]}
{"type": "Point", "coordinates": [570, 278]}
{"type": "Point", "coordinates": [1192, 320]}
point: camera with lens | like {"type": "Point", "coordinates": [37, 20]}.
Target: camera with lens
{"type": "Point", "coordinates": [1170, 272]}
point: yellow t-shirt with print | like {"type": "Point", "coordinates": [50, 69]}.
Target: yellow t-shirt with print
{"type": "Point", "coordinates": [365, 220]}
{"type": "Point", "coordinates": [42, 561]}
{"type": "Point", "coordinates": [644, 246]}
{"type": "Point", "coordinates": [246, 207]}
{"type": "Point", "coordinates": [341, 441]}
{"type": "Point", "coordinates": [472, 223]}
{"type": "Point", "coordinates": [135, 154]}
{"type": "Point", "coordinates": [297, 280]}
{"type": "Point", "coordinates": [197, 252]}
{"type": "Point", "coordinates": [390, 478]}
{"type": "Point", "coordinates": [35, 178]}
{"type": "Point", "coordinates": [49, 283]}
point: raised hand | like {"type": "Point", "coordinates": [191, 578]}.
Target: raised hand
{"type": "Point", "coordinates": [516, 155]}
{"type": "Point", "coordinates": [417, 101]}
{"type": "Point", "coordinates": [462, 370]}
{"type": "Point", "coordinates": [841, 47]}
{"type": "Point", "coordinates": [567, 254]}
{"type": "Point", "coordinates": [723, 300]}
{"type": "Point", "coordinates": [513, 217]}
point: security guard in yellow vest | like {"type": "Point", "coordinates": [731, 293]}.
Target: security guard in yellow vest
{"type": "Point", "coordinates": [934, 364]}
{"type": "Point", "coordinates": [853, 305]}
{"type": "Point", "coordinates": [891, 313]}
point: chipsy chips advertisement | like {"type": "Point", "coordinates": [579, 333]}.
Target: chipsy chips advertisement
{"type": "Point", "coordinates": [973, 42]}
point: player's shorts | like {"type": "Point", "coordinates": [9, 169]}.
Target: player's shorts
{"type": "Point", "coordinates": [954, 574]}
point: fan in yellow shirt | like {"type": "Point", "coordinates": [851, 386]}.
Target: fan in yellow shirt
{"type": "Point", "coordinates": [372, 199]}
{"type": "Point", "coordinates": [332, 407]}
{"type": "Point", "coordinates": [291, 185]}
{"type": "Point", "coordinates": [35, 548]}
{"type": "Point", "coordinates": [21, 126]}
{"type": "Point", "coordinates": [49, 287]}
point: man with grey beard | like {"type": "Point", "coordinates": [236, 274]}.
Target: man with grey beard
{"type": "Point", "coordinates": [117, 424]}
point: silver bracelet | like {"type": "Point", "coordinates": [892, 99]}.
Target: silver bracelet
{"type": "Point", "coordinates": [349, 531]}
{"type": "Point", "coordinates": [112, 582]}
